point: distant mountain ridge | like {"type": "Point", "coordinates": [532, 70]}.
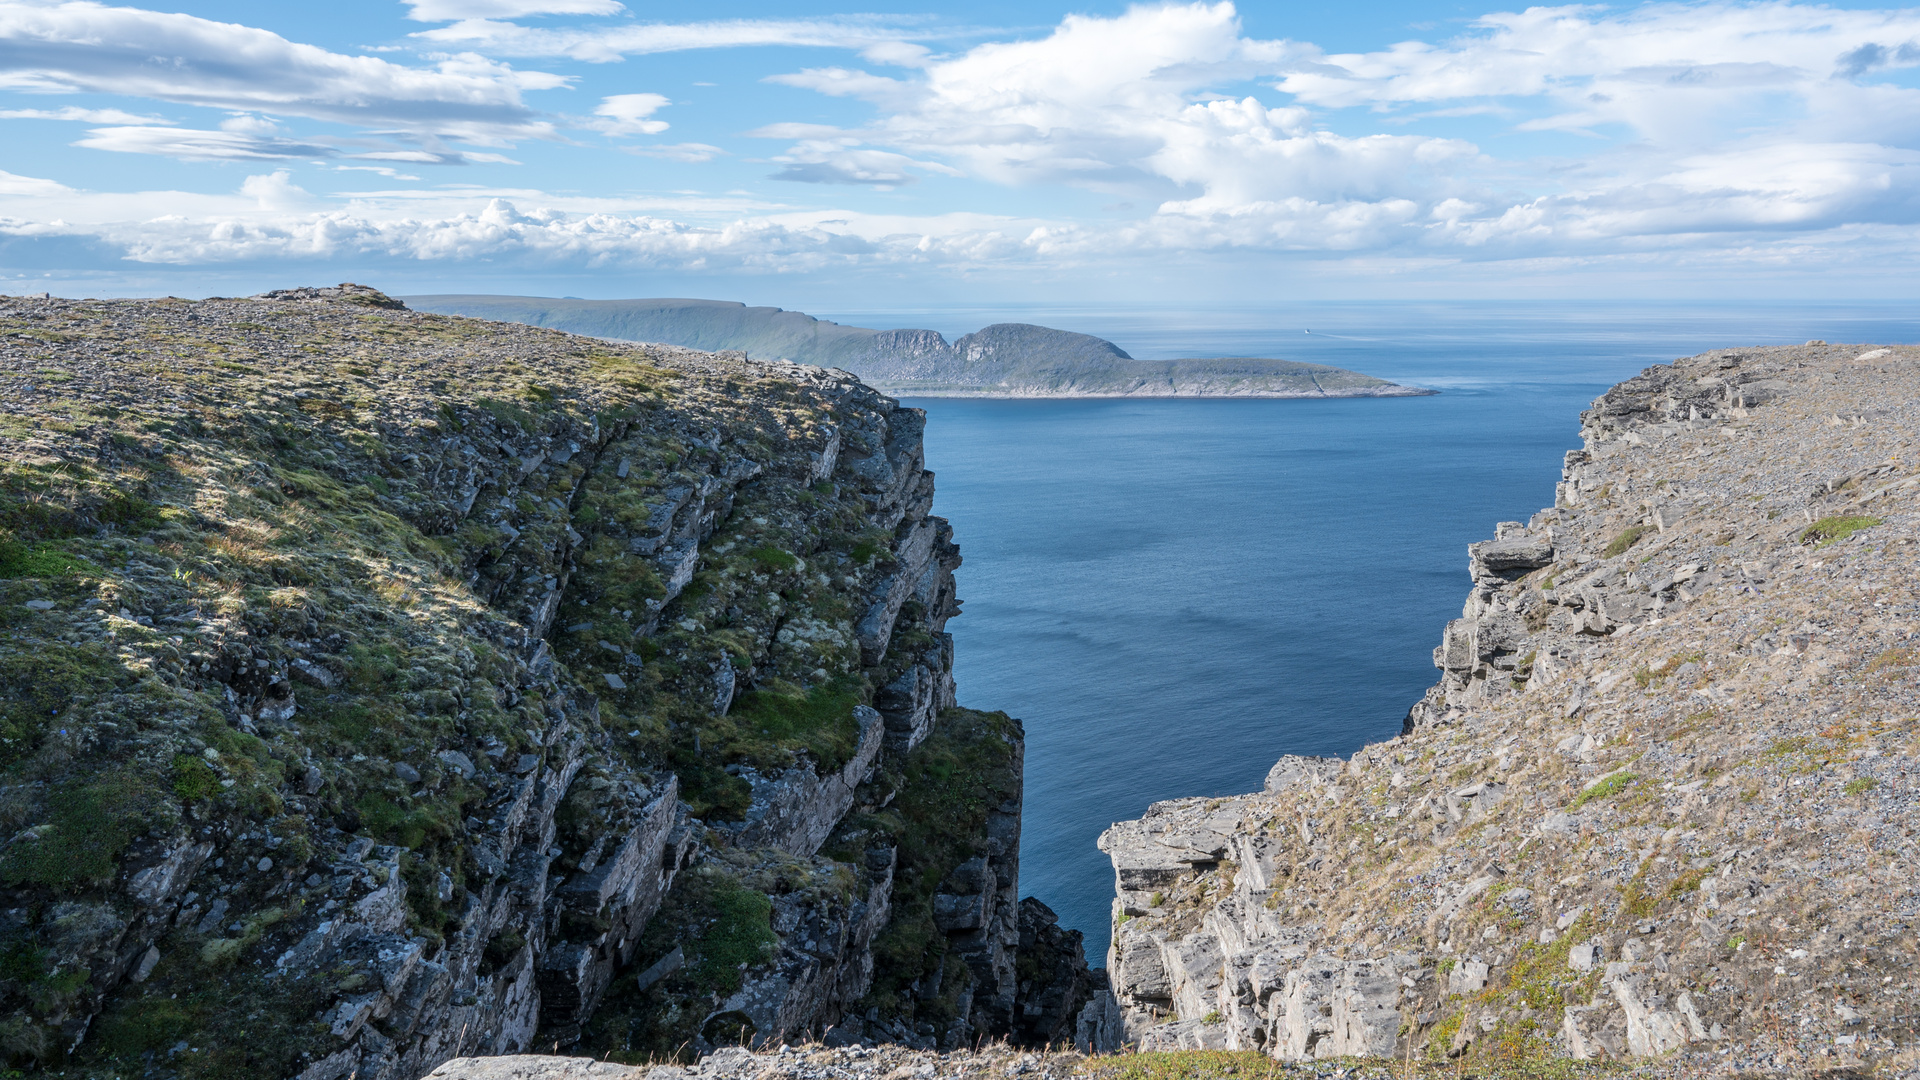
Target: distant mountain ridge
{"type": "Point", "coordinates": [1002, 360]}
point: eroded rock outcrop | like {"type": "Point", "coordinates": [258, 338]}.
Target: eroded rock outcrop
{"type": "Point", "coordinates": [380, 688]}
{"type": "Point", "coordinates": [1660, 801]}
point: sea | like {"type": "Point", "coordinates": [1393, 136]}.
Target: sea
{"type": "Point", "coordinates": [1171, 594]}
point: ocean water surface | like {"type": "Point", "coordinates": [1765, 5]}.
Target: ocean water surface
{"type": "Point", "coordinates": [1173, 593]}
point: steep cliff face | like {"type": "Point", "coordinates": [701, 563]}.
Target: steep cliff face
{"type": "Point", "coordinates": [380, 687]}
{"type": "Point", "coordinates": [1661, 800]}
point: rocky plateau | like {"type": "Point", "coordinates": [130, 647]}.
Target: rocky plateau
{"type": "Point", "coordinates": [1660, 806]}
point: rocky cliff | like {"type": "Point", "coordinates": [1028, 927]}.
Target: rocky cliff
{"type": "Point", "coordinates": [1002, 360]}
{"type": "Point", "coordinates": [1661, 801]}
{"type": "Point", "coordinates": [379, 687]}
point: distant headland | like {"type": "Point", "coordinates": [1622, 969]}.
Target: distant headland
{"type": "Point", "coordinates": [1002, 360]}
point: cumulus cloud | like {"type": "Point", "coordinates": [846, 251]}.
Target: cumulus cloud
{"type": "Point", "coordinates": [89, 47]}
{"type": "Point", "coordinates": [1665, 71]}
{"type": "Point", "coordinates": [270, 218]}
{"type": "Point", "coordinates": [604, 44]}
{"type": "Point", "coordinates": [1711, 118]}
{"type": "Point", "coordinates": [1110, 104]}
{"type": "Point", "coordinates": [1707, 127]}
{"type": "Point", "coordinates": [629, 114]}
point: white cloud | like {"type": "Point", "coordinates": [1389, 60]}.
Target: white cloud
{"type": "Point", "coordinates": [1711, 119]}
{"type": "Point", "coordinates": [381, 170]}
{"type": "Point", "coordinates": [84, 116]}
{"type": "Point", "coordinates": [629, 114]}
{"type": "Point", "coordinates": [786, 130]}
{"type": "Point", "coordinates": [842, 82]}
{"type": "Point", "coordinates": [276, 191]}
{"type": "Point", "coordinates": [449, 10]}
{"type": "Point", "coordinates": [272, 219]}
{"type": "Point", "coordinates": [897, 54]}
{"type": "Point", "coordinates": [13, 184]}
{"type": "Point", "coordinates": [189, 145]}
{"type": "Point", "coordinates": [252, 139]}
{"type": "Point", "coordinates": [690, 152]}
{"type": "Point", "coordinates": [89, 47]}
{"type": "Point", "coordinates": [250, 124]}
{"type": "Point", "coordinates": [1709, 130]}
{"type": "Point", "coordinates": [1668, 72]}
{"type": "Point", "coordinates": [821, 162]}
{"type": "Point", "coordinates": [604, 44]}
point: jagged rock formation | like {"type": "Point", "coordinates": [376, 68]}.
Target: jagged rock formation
{"type": "Point", "coordinates": [1661, 801]}
{"type": "Point", "coordinates": [379, 687]}
{"type": "Point", "coordinates": [1002, 360]}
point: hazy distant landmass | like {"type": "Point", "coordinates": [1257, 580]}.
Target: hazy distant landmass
{"type": "Point", "coordinates": [1002, 360]}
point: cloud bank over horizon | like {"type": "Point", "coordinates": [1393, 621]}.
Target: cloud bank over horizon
{"type": "Point", "coordinates": [551, 137]}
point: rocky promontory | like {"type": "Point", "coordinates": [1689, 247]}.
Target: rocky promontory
{"type": "Point", "coordinates": [378, 688]}
{"type": "Point", "coordinates": [1660, 806]}
{"type": "Point", "coordinates": [1002, 360]}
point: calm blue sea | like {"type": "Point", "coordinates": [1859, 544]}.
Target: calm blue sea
{"type": "Point", "coordinates": [1172, 594]}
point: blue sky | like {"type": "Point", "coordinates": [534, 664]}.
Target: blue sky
{"type": "Point", "coordinates": [809, 156]}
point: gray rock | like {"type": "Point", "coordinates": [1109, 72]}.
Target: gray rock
{"type": "Point", "coordinates": [1467, 977]}
{"type": "Point", "coordinates": [662, 968]}
{"type": "Point", "coordinates": [534, 1067]}
{"type": "Point", "coordinates": [1295, 771]}
{"type": "Point", "coordinates": [407, 773]}
{"type": "Point", "coordinates": [1514, 553]}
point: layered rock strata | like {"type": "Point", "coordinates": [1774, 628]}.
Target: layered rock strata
{"type": "Point", "coordinates": [1661, 801]}
{"type": "Point", "coordinates": [378, 688]}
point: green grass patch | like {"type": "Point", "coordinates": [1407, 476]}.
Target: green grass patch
{"type": "Point", "coordinates": [868, 548]}
{"type": "Point", "coordinates": [87, 827]}
{"type": "Point", "coordinates": [508, 413]}
{"type": "Point", "coordinates": [1832, 530]}
{"type": "Point", "coordinates": [1861, 785]}
{"type": "Point", "coordinates": [1605, 789]}
{"type": "Point", "coordinates": [1626, 539]}
{"type": "Point", "coordinates": [43, 560]}
{"type": "Point", "coordinates": [1780, 748]}
{"type": "Point", "coordinates": [193, 779]}
{"type": "Point", "coordinates": [768, 724]}
{"type": "Point", "coordinates": [768, 557]}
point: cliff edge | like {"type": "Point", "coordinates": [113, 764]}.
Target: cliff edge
{"type": "Point", "coordinates": [379, 687]}
{"type": "Point", "coordinates": [1662, 801]}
